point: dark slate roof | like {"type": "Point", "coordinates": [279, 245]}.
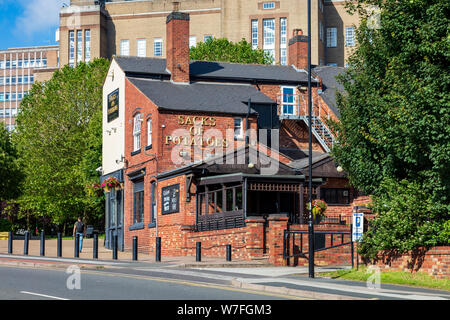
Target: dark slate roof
{"type": "Point", "coordinates": [202, 97]}
{"type": "Point", "coordinates": [137, 65]}
{"type": "Point", "coordinates": [304, 163]}
{"type": "Point", "coordinates": [330, 84]}
{"type": "Point", "coordinates": [215, 70]}
{"type": "Point", "coordinates": [207, 69]}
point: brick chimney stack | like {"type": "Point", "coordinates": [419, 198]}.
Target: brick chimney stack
{"type": "Point", "coordinates": [298, 50]}
{"type": "Point", "coordinates": [177, 49]}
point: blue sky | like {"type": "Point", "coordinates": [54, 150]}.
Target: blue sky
{"type": "Point", "coordinates": [26, 23]}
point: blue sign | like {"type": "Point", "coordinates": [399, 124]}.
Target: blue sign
{"type": "Point", "coordinates": [358, 226]}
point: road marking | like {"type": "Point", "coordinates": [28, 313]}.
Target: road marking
{"type": "Point", "coordinates": [175, 281]}
{"type": "Point", "coordinates": [43, 295]}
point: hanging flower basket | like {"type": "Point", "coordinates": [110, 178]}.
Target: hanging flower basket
{"type": "Point", "coordinates": [95, 189]}
{"type": "Point", "coordinates": [318, 210]}
{"type": "Point", "coordinates": [110, 183]}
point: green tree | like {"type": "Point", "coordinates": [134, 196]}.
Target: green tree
{"type": "Point", "coordinates": [59, 139]}
{"type": "Point", "coordinates": [226, 51]}
{"type": "Point", "coordinates": [10, 174]}
{"type": "Point", "coordinates": [394, 129]}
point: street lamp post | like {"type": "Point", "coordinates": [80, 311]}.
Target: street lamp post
{"type": "Point", "coordinates": [310, 220]}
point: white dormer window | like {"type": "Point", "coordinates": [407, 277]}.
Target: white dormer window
{"type": "Point", "coordinates": [137, 132]}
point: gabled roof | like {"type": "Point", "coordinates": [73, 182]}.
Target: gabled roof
{"type": "Point", "coordinates": [201, 97]}
{"type": "Point", "coordinates": [330, 84]}
{"type": "Point", "coordinates": [207, 70]}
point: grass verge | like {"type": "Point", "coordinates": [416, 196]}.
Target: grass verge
{"type": "Point", "coordinates": [417, 279]}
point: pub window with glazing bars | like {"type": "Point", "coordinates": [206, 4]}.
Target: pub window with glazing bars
{"type": "Point", "coordinates": [220, 200]}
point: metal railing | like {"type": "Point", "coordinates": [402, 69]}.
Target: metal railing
{"type": "Point", "coordinates": [294, 106]}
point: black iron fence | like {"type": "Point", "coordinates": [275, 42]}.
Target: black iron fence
{"type": "Point", "coordinates": [295, 242]}
{"type": "Point", "coordinates": [219, 221]}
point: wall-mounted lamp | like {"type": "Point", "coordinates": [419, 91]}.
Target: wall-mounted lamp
{"type": "Point", "coordinates": [122, 158]}
{"type": "Point", "coordinates": [111, 130]}
{"type": "Point", "coordinates": [339, 169]}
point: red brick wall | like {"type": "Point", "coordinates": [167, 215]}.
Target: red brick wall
{"type": "Point", "coordinates": [434, 261]}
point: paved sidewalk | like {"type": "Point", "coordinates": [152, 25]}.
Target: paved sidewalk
{"type": "Point", "coordinates": [105, 255]}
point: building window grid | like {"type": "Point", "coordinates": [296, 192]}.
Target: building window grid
{"type": "Point", "coordinates": [124, 47]}
{"type": "Point", "coordinates": [141, 47]}
{"type": "Point", "coordinates": [254, 34]}
{"type": "Point", "coordinates": [71, 50]}
{"type": "Point", "coordinates": [192, 41]}
{"type": "Point", "coordinates": [269, 36]}
{"type": "Point", "coordinates": [87, 48]}
{"type": "Point", "coordinates": [283, 41]}
{"type": "Point", "coordinates": [137, 132]}
{"type": "Point", "coordinates": [79, 46]}
{"type": "Point", "coordinates": [349, 36]}
{"type": "Point", "coordinates": [149, 131]}
{"type": "Point", "coordinates": [238, 128]}
{"type": "Point", "coordinates": [268, 5]}
{"type": "Point", "coordinates": [288, 100]}
{"type": "Point", "coordinates": [332, 37]}
{"type": "Point", "coordinates": [157, 47]}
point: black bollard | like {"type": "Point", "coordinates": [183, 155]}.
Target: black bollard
{"type": "Point", "coordinates": [77, 245]}
{"type": "Point", "coordinates": [42, 243]}
{"type": "Point", "coordinates": [228, 252]}
{"type": "Point", "coordinates": [198, 255]}
{"type": "Point", "coordinates": [135, 248]}
{"type": "Point", "coordinates": [26, 243]}
{"type": "Point", "coordinates": [115, 247]}
{"type": "Point", "coordinates": [158, 249]}
{"type": "Point", "coordinates": [95, 255]}
{"type": "Point", "coordinates": [59, 245]}
{"type": "Point", "coordinates": [10, 242]}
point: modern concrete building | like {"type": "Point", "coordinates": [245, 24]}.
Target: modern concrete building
{"type": "Point", "coordinates": [91, 29]}
{"type": "Point", "coordinates": [19, 69]}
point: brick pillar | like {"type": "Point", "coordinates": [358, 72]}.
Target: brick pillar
{"type": "Point", "coordinates": [255, 236]}
{"type": "Point", "coordinates": [277, 224]}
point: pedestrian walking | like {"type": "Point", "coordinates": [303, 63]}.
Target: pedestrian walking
{"type": "Point", "coordinates": [79, 229]}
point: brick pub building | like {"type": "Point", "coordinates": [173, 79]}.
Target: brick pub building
{"type": "Point", "coordinates": [174, 134]}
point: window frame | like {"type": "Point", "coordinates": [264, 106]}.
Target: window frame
{"type": "Point", "coordinates": [269, 36]}
{"type": "Point", "coordinates": [254, 33]}
{"type": "Point", "coordinates": [335, 201]}
{"type": "Point", "coordinates": [125, 49]}
{"type": "Point", "coordinates": [268, 5]}
{"type": "Point", "coordinates": [241, 127]}
{"type": "Point", "coordinates": [149, 133]}
{"type": "Point", "coordinates": [87, 45]}
{"type": "Point", "coordinates": [137, 129]}
{"type": "Point", "coordinates": [138, 192]}
{"type": "Point", "coordinates": [159, 42]}
{"type": "Point", "coordinates": [349, 40]}
{"type": "Point", "coordinates": [141, 47]}
{"type": "Point", "coordinates": [287, 103]}
{"type": "Point", "coordinates": [331, 37]}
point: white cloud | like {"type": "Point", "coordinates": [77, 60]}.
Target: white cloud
{"type": "Point", "coordinates": [38, 15]}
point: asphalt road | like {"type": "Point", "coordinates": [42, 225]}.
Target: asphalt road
{"type": "Point", "coordinates": [17, 283]}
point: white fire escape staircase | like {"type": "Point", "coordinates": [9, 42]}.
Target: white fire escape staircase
{"type": "Point", "coordinates": [296, 109]}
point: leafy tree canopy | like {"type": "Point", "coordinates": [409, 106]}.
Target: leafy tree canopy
{"type": "Point", "coordinates": [59, 139]}
{"type": "Point", "coordinates": [10, 175]}
{"type": "Point", "coordinates": [226, 51]}
{"type": "Point", "coordinates": [394, 129]}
